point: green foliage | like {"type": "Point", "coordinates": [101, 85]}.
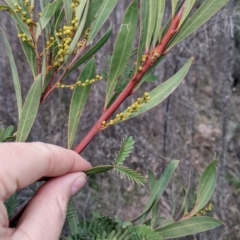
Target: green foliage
{"type": "Point", "coordinates": [102, 15]}
{"type": "Point", "coordinates": [188, 226]}
{"type": "Point", "coordinates": [12, 204]}
{"type": "Point", "coordinates": [65, 37]}
{"type": "Point", "coordinates": [47, 14]}
{"type": "Point", "coordinates": [72, 218]}
{"type": "Point", "coordinates": [29, 111]}
{"type": "Point", "coordinates": [79, 98]}
{"type": "Point", "coordinates": [157, 227]}
{"type": "Point", "coordinates": [122, 49]}
{"type": "Point", "coordinates": [124, 151]}
{"type": "Point", "coordinates": [161, 92]}
{"type": "Point", "coordinates": [16, 81]}
{"type": "Point", "coordinates": [92, 51]}
{"type": "Point", "coordinates": [7, 134]}
{"type": "Point", "coordinates": [202, 15]}
{"type": "Point", "coordinates": [206, 186]}
{"type": "Point", "coordinates": [130, 174]}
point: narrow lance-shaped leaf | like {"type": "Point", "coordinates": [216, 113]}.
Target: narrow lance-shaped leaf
{"type": "Point", "coordinates": [202, 15]}
{"type": "Point", "coordinates": [92, 51]}
{"type": "Point", "coordinates": [81, 9]}
{"type": "Point", "coordinates": [44, 3]}
{"type": "Point", "coordinates": [188, 7]}
{"type": "Point", "coordinates": [68, 11]}
{"type": "Point", "coordinates": [29, 111]}
{"type": "Point", "coordinates": [79, 98]}
{"type": "Point", "coordinates": [92, 11]}
{"type": "Point", "coordinates": [44, 68]}
{"type": "Point", "coordinates": [9, 131]}
{"type": "Point", "coordinates": [152, 16]}
{"type": "Point", "coordinates": [188, 227]}
{"type": "Point", "coordinates": [151, 179]}
{"type": "Point", "coordinates": [5, 8]}
{"type": "Point", "coordinates": [15, 77]}
{"type": "Point", "coordinates": [102, 15]}
{"type": "Point", "coordinates": [161, 185]}
{"type": "Point", "coordinates": [174, 6]}
{"type": "Point", "coordinates": [31, 57]}
{"type": "Point", "coordinates": [98, 169]}
{"type": "Point", "coordinates": [206, 187]}
{"type": "Point", "coordinates": [47, 14]}
{"type": "Point", "coordinates": [161, 92]}
{"type": "Point", "coordinates": [122, 49]}
{"type": "Point", "coordinates": [160, 14]}
{"type": "Point", "coordinates": [59, 19]}
{"type": "Point", "coordinates": [158, 189]}
{"type": "Point", "coordinates": [143, 28]}
{"type": "Point", "coordinates": [11, 3]}
{"type": "Point", "coordinates": [82, 14]}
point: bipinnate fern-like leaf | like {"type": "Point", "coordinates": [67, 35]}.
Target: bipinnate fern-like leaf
{"type": "Point", "coordinates": [124, 151]}
{"type": "Point", "coordinates": [130, 174]}
{"type": "Point", "coordinates": [104, 228]}
{"type": "Point", "coordinates": [97, 226]}
{"type": "Point", "coordinates": [11, 204]}
{"type": "Point", "coordinates": [72, 218]}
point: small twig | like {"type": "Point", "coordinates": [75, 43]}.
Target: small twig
{"type": "Point", "coordinates": [79, 53]}
{"type": "Point", "coordinates": [50, 88]}
{"type": "Point", "coordinates": [35, 44]}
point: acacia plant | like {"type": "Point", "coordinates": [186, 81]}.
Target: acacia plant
{"type": "Point", "coordinates": [62, 36]}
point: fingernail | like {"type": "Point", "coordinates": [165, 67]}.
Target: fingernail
{"type": "Point", "coordinates": [78, 184]}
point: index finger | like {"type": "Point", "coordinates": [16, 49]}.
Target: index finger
{"type": "Point", "coordinates": [21, 164]}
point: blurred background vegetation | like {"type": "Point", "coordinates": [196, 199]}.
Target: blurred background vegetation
{"type": "Point", "coordinates": [200, 121]}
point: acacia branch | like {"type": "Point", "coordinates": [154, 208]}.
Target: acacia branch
{"type": "Point", "coordinates": [152, 57]}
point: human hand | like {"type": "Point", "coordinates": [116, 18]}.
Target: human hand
{"type": "Point", "coordinates": [21, 164]}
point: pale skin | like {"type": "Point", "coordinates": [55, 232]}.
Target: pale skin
{"type": "Point", "coordinates": [21, 164]}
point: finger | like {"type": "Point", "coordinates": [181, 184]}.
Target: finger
{"type": "Point", "coordinates": [24, 163]}
{"type": "Point", "coordinates": [44, 217]}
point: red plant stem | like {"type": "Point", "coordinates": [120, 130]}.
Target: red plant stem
{"type": "Point", "coordinates": [152, 57]}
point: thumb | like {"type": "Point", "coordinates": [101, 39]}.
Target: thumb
{"type": "Point", "coordinates": [45, 215]}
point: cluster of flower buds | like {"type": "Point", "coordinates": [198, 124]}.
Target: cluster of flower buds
{"type": "Point", "coordinates": [130, 110]}
{"type": "Point", "coordinates": [74, 4]}
{"type": "Point", "coordinates": [79, 83]}
{"type": "Point", "coordinates": [25, 15]}
{"type": "Point", "coordinates": [143, 58]}
{"type": "Point", "coordinates": [24, 38]}
{"type": "Point", "coordinates": [205, 210]}
{"type": "Point", "coordinates": [86, 34]}
{"type": "Point", "coordinates": [65, 36]}
{"type": "Point", "coordinates": [81, 42]}
{"type": "Point", "coordinates": [51, 42]}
